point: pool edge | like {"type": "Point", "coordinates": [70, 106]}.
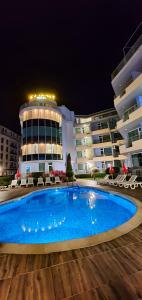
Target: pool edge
{"type": "Point", "coordinates": [135, 221]}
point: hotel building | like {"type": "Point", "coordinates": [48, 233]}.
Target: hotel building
{"type": "Point", "coordinates": [127, 85]}
{"type": "Point", "coordinates": [98, 141]}
{"type": "Point", "coordinates": [9, 151]}
{"type": "Point", "coordinates": [47, 135]}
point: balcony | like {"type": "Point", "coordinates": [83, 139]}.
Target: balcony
{"type": "Point", "coordinates": [108, 158]}
{"type": "Point", "coordinates": [134, 118]}
{"type": "Point", "coordinates": [132, 146]}
{"type": "Point", "coordinates": [132, 91]}
{"type": "Point", "coordinates": [127, 57]}
{"type": "Point", "coordinates": [84, 159]}
{"type": "Point", "coordinates": [83, 147]}
{"type": "Point", "coordinates": [102, 144]}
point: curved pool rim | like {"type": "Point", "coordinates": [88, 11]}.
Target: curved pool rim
{"type": "Point", "coordinates": [132, 223]}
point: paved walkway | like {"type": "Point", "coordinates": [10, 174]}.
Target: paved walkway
{"type": "Point", "coordinates": [112, 270]}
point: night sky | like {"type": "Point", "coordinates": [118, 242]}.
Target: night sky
{"type": "Point", "coordinates": [66, 47]}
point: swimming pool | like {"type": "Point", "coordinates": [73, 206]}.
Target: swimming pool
{"type": "Point", "coordinates": [61, 214]}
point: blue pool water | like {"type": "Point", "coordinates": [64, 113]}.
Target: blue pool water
{"type": "Point", "coordinates": [61, 214]}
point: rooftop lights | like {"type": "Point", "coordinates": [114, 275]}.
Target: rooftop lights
{"type": "Point", "coordinates": [41, 96]}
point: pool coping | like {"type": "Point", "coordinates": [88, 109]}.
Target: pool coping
{"type": "Point", "coordinates": [135, 221]}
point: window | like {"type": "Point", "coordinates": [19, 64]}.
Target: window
{"type": "Point", "coordinates": [137, 160]}
{"type": "Point", "coordinates": [78, 142]}
{"type": "Point", "coordinates": [1, 147]}
{"type": "Point", "coordinates": [79, 154]}
{"type": "Point", "coordinates": [133, 135]}
{"type": "Point", "coordinates": [2, 140]}
{"type": "Point", "coordinates": [78, 130]}
{"type": "Point", "coordinates": [107, 151]}
{"type": "Point", "coordinates": [50, 167]}
{"type": "Point", "coordinates": [6, 142]}
{"type": "Point", "coordinates": [81, 167]}
{"type": "Point", "coordinates": [41, 167]}
{"type": "Point", "coordinates": [6, 149]}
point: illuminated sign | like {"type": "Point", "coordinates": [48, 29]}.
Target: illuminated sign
{"type": "Point", "coordinates": [42, 97]}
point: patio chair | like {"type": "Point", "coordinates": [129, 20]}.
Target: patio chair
{"type": "Point", "coordinates": [131, 182]}
{"type": "Point", "coordinates": [14, 184]}
{"type": "Point", "coordinates": [105, 179]}
{"type": "Point", "coordinates": [121, 180]}
{"type": "Point", "coordinates": [30, 181]}
{"type": "Point", "coordinates": [23, 182]}
{"type": "Point", "coordinates": [48, 181]}
{"type": "Point", "coordinates": [57, 179]}
{"type": "Point", "coordinates": [116, 180]}
{"type": "Point", "coordinates": [40, 181]}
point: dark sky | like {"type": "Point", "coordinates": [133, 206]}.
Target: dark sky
{"type": "Point", "coordinates": [68, 47]}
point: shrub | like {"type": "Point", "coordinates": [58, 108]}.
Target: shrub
{"type": "Point", "coordinates": [69, 171]}
{"type": "Point", "coordinates": [99, 175]}
{"type": "Point", "coordinates": [6, 180]}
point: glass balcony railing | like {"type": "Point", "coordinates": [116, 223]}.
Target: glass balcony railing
{"type": "Point", "coordinates": [135, 138]}
{"type": "Point", "coordinates": [129, 54]}
{"type": "Point", "coordinates": [101, 141]}
{"type": "Point", "coordinates": [129, 111]}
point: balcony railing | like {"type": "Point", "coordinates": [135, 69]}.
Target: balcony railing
{"type": "Point", "coordinates": [129, 54]}
{"type": "Point", "coordinates": [129, 111]}
{"type": "Point", "coordinates": [100, 141]}
{"type": "Point", "coordinates": [135, 138]}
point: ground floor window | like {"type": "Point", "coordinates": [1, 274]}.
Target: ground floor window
{"type": "Point", "coordinates": [137, 160]}
{"type": "Point", "coordinates": [80, 167]}
{"type": "Point", "coordinates": [41, 167]}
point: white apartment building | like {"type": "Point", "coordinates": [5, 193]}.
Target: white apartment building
{"type": "Point", "coordinates": [47, 135]}
{"type": "Point", "coordinates": [98, 141]}
{"type": "Point", "coordinates": [127, 85]}
{"type": "Point", "coordinates": [9, 151]}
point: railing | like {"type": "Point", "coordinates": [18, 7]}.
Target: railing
{"type": "Point", "coordinates": [135, 138]}
{"type": "Point", "coordinates": [129, 111]}
{"type": "Point", "coordinates": [129, 54]}
{"type": "Point", "coordinates": [100, 142]}
{"type": "Point", "coordinates": [39, 103]}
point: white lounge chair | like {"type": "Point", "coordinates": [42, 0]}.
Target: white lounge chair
{"type": "Point", "coordinates": [103, 180]}
{"type": "Point", "coordinates": [130, 182]}
{"type": "Point", "coordinates": [40, 181]}
{"type": "Point", "coordinates": [121, 180]}
{"type": "Point", "coordinates": [30, 181]}
{"type": "Point", "coordinates": [48, 181]}
{"type": "Point", "coordinates": [57, 179]}
{"type": "Point", "coordinates": [114, 181]}
{"type": "Point", "coordinates": [126, 182]}
{"type": "Point", "coordinates": [23, 182]}
{"type": "Point", "coordinates": [14, 184]}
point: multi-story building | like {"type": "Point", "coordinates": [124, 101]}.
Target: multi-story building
{"type": "Point", "coordinates": [98, 141]}
{"type": "Point", "coordinates": [47, 135]}
{"type": "Point", "coordinates": [127, 85]}
{"type": "Point", "coordinates": [9, 151]}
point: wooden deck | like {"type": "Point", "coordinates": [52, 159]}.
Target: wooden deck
{"type": "Point", "coordinates": [111, 270]}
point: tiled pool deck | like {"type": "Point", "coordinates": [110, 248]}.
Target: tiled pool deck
{"type": "Point", "coordinates": [112, 270]}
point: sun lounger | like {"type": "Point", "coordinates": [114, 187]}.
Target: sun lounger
{"type": "Point", "coordinates": [105, 179]}
{"type": "Point", "coordinates": [48, 181]}
{"type": "Point", "coordinates": [14, 184]}
{"type": "Point", "coordinates": [116, 180]}
{"type": "Point", "coordinates": [30, 181]}
{"type": "Point", "coordinates": [40, 181]}
{"type": "Point", "coordinates": [57, 179]}
{"type": "Point", "coordinates": [130, 182]}
{"type": "Point", "coordinates": [23, 182]}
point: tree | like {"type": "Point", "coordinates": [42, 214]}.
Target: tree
{"type": "Point", "coordinates": [69, 170]}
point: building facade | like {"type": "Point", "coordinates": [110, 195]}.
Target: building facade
{"type": "Point", "coordinates": [47, 135]}
{"type": "Point", "coordinates": [98, 141]}
{"type": "Point", "coordinates": [9, 151]}
{"type": "Point", "coordinates": [127, 85]}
